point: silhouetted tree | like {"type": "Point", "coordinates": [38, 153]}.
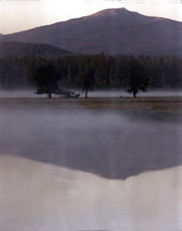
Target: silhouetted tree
{"type": "Point", "coordinates": [135, 77]}
{"type": "Point", "coordinates": [101, 71]}
{"type": "Point", "coordinates": [88, 85]}
{"type": "Point", "coordinates": [88, 80]}
{"type": "Point", "coordinates": [46, 79]}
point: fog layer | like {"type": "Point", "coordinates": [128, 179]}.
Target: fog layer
{"type": "Point", "coordinates": [89, 170]}
{"type": "Point", "coordinates": [109, 144]}
{"type": "Point", "coordinates": [96, 93]}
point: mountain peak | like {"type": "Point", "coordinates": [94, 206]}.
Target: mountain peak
{"type": "Point", "coordinates": [113, 31]}
{"type": "Point", "coordinates": [111, 12]}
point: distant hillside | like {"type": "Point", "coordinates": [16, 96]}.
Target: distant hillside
{"type": "Point", "coordinates": [26, 49]}
{"type": "Point", "coordinates": [111, 31]}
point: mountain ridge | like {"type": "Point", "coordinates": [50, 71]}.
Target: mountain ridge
{"type": "Point", "coordinates": [113, 31]}
{"type": "Point", "coordinates": [19, 49]}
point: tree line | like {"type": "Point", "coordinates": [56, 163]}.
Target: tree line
{"type": "Point", "coordinates": [99, 71]}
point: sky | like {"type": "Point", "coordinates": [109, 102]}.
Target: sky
{"type": "Point", "coordinates": [19, 15]}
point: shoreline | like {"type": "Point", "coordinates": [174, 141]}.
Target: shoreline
{"type": "Point", "coordinates": [156, 104]}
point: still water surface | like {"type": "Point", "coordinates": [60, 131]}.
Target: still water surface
{"type": "Point", "coordinates": [88, 170]}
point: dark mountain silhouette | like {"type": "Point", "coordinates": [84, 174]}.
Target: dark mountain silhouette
{"type": "Point", "coordinates": [26, 49]}
{"type": "Point", "coordinates": [111, 31]}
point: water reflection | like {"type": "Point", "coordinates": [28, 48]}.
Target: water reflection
{"type": "Point", "coordinates": [109, 144]}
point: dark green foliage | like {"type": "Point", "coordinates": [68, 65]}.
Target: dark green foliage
{"type": "Point", "coordinates": [135, 76]}
{"type": "Point", "coordinates": [88, 85]}
{"type": "Point", "coordinates": [46, 79]}
{"type": "Point", "coordinates": [87, 79]}
{"type": "Point", "coordinates": [96, 71]}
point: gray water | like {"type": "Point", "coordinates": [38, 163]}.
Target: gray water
{"type": "Point", "coordinates": [109, 144]}
{"type": "Point", "coordinates": [89, 170]}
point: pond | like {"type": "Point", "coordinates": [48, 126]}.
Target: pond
{"type": "Point", "coordinates": [90, 170]}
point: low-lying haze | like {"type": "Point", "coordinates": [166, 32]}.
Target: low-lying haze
{"type": "Point", "coordinates": [58, 170]}
{"type": "Point", "coordinates": [109, 144]}
{"type": "Point", "coordinates": [89, 169]}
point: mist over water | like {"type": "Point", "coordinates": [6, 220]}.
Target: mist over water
{"type": "Point", "coordinates": [97, 93]}
{"type": "Point", "coordinates": [109, 144]}
{"type": "Point", "coordinates": [89, 170]}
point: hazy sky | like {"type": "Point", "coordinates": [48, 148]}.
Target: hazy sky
{"type": "Point", "coordinates": [18, 15]}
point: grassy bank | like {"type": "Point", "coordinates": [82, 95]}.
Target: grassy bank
{"type": "Point", "coordinates": [161, 104]}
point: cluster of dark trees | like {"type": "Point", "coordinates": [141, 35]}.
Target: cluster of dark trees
{"type": "Point", "coordinates": [92, 71]}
